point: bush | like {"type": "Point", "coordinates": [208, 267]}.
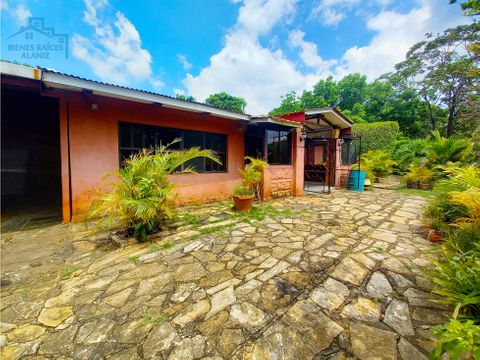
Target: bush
{"type": "Point", "coordinates": [143, 195]}
{"type": "Point", "coordinates": [409, 152]}
{"type": "Point", "coordinates": [378, 135]}
{"type": "Point", "coordinates": [418, 176]}
{"type": "Point", "coordinates": [442, 151]}
{"type": "Point", "coordinates": [376, 163]}
{"type": "Point", "coordinates": [457, 279]}
{"type": "Point", "coordinates": [460, 339]}
{"type": "Point", "coordinates": [441, 211]}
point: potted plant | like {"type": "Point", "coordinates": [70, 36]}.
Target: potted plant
{"type": "Point", "coordinates": [250, 176]}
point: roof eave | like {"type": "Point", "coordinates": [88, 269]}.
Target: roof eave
{"type": "Point", "coordinates": [60, 81]}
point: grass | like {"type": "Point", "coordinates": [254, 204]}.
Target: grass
{"type": "Point", "coordinates": [149, 318]}
{"type": "Point", "coordinates": [427, 194]}
{"type": "Point", "coordinates": [157, 247]}
{"type": "Point", "coordinates": [261, 211]}
{"type": "Point", "coordinates": [134, 259]}
{"type": "Point", "coordinates": [68, 271]}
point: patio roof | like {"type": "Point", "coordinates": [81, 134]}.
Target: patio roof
{"type": "Point", "coordinates": [265, 119]}
{"type": "Point", "coordinates": [329, 115]}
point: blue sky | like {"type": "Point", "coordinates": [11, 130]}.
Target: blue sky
{"type": "Point", "coordinates": [257, 49]}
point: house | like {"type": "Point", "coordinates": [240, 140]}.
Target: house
{"type": "Point", "coordinates": [62, 133]}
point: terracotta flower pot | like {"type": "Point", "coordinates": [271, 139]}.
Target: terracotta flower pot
{"type": "Point", "coordinates": [425, 186]}
{"type": "Point", "coordinates": [243, 203]}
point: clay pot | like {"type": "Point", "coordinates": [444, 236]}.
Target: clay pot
{"type": "Point", "coordinates": [412, 185]}
{"type": "Point", "coordinates": [425, 186]}
{"type": "Point", "coordinates": [243, 203]}
{"type": "Point", "coordinates": [435, 236]}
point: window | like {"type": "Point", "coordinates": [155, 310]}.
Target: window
{"type": "Point", "coordinates": [279, 145]}
{"type": "Point", "coordinates": [349, 152]}
{"type": "Point", "coordinates": [133, 138]}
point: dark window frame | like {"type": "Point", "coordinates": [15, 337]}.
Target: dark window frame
{"type": "Point", "coordinates": [181, 144]}
{"type": "Point", "coordinates": [278, 160]}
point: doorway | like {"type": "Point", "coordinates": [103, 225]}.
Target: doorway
{"type": "Point", "coordinates": [30, 159]}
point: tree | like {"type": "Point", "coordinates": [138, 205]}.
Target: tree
{"type": "Point", "coordinates": [185, 98]}
{"type": "Point", "coordinates": [225, 101]}
{"type": "Point", "coordinates": [444, 69]}
{"type": "Point", "coordinates": [351, 90]}
{"type": "Point", "coordinates": [470, 7]}
{"type": "Point", "coordinates": [328, 91]}
{"type": "Point", "coordinates": [290, 103]}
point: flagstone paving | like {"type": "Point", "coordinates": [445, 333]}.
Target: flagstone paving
{"type": "Point", "coordinates": [339, 278]}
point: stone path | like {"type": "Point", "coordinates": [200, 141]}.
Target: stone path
{"type": "Point", "coordinates": [339, 278]}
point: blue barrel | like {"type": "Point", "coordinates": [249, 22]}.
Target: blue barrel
{"type": "Point", "coordinates": [356, 180]}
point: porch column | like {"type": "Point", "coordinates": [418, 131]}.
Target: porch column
{"type": "Point", "coordinates": [298, 162]}
{"type": "Point", "coordinates": [65, 161]}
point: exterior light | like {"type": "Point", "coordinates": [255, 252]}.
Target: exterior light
{"type": "Point", "coordinates": [94, 106]}
{"type": "Point", "coordinates": [303, 136]}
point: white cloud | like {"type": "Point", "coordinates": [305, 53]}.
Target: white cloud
{"type": "Point", "coordinates": [395, 34]}
{"type": "Point", "coordinates": [184, 61]}
{"type": "Point", "coordinates": [244, 67]}
{"type": "Point", "coordinates": [309, 53]}
{"type": "Point", "coordinates": [261, 75]}
{"type": "Point", "coordinates": [114, 54]}
{"type": "Point", "coordinates": [332, 12]}
{"type": "Point", "coordinates": [20, 13]}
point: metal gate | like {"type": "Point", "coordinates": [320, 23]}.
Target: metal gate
{"type": "Point", "coordinates": [320, 160]}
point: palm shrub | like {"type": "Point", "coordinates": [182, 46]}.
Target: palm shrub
{"type": "Point", "coordinates": [409, 152]}
{"type": "Point", "coordinates": [441, 211]}
{"type": "Point", "coordinates": [143, 195]}
{"type": "Point", "coordinates": [376, 163]}
{"type": "Point", "coordinates": [418, 176]}
{"type": "Point", "coordinates": [442, 151]}
{"type": "Point", "coordinates": [250, 177]}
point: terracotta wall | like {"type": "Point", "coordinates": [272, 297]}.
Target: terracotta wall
{"type": "Point", "coordinates": [93, 138]}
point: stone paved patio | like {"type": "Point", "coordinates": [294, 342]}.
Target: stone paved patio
{"type": "Point", "coordinates": [340, 278]}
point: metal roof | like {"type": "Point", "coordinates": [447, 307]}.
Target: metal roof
{"type": "Point", "coordinates": [59, 80]}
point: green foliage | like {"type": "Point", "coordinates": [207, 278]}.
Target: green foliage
{"type": "Point", "coordinates": [150, 318]}
{"type": "Point", "coordinates": [444, 69]}
{"type": "Point", "coordinates": [377, 164]}
{"type": "Point", "coordinates": [377, 136]}
{"type": "Point", "coordinates": [418, 176]}
{"type": "Point", "coordinates": [289, 104]}
{"type": "Point", "coordinates": [441, 211]}
{"type": "Point", "coordinates": [408, 152]}
{"type": "Point", "coordinates": [476, 146]}
{"type": "Point", "coordinates": [456, 277]}
{"type": "Point", "coordinates": [68, 271]}
{"type": "Point", "coordinates": [250, 177]}
{"type": "Point", "coordinates": [226, 101]}
{"type": "Point", "coordinates": [463, 238]}
{"type": "Point", "coordinates": [470, 7]}
{"type": "Point", "coordinates": [459, 338]}
{"type": "Point", "coordinates": [441, 150]}
{"type": "Point", "coordinates": [142, 197]}
{"type": "Point", "coordinates": [154, 247]}
{"type": "Point", "coordinates": [185, 97]}
{"type": "Point", "coordinates": [242, 191]}
{"type": "Point", "coordinates": [134, 259]}
{"type": "Point", "coordinates": [352, 90]}
{"type": "Point", "coordinates": [470, 200]}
